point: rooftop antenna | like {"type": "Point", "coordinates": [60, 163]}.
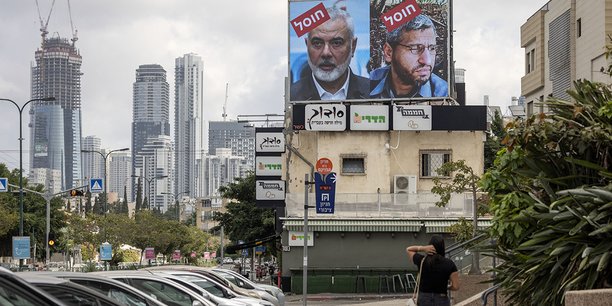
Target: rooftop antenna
{"type": "Point", "coordinates": [224, 115]}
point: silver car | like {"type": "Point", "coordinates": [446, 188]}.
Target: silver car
{"type": "Point", "coordinates": [117, 290]}
{"type": "Point", "coordinates": [215, 288]}
{"type": "Point", "coordinates": [165, 290]}
{"type": "Point", "coordinates": [244, 282]}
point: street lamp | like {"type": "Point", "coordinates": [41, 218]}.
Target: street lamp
{"type": "Point", "coordinates": [149, 180]}
{"type": "Point", "coordinates": [20, 109]}
{"type": "Point", "coordinates": [105, 156]}
{"type": "Point", "coordinates": [175, 197]}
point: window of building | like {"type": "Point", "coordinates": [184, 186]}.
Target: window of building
{"type": "Point", "coordinates": [353, 164]}
{"type": "Point", "coordinates": [579, 27]}
{"type": "Point", "coordinates": [530, 61]}
{"type": "Point", "coordinates": [432, 160]}
{"type": "Point", "coordinates": [530, 108]}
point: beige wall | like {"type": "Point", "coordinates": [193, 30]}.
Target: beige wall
{"type": "Point", "coordinates": [402, 156]}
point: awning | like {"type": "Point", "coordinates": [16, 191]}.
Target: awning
{"type": "Point", "coordinates": [442, 226]}
{"type": "Point", "coordinates": [355, 225]}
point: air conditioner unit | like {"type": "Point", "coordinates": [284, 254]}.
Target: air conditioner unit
{"type": "Point", "coordinates": [402, 186]}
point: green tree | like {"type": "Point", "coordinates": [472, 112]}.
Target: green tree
{"type": "Point", "coordinates": [138, 196]}
{"type": "Point", "coordinates": [463, 180]}
{"type": "Point", "coordinates": [242, 219]}
{"type": "Point", "coordinates": [550, 194]}
{"type": "Point", "coordinates": [493, 142]}
{"type": "Point", "coordinates": [88, 208]}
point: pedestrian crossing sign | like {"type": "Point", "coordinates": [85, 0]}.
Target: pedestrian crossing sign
{"type": "Point", "coordinates": [96, 185]}
{"type": "Point", "coordinates": [3, 184]}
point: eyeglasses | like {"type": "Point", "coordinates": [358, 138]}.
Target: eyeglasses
{"type": "Point", "coordinates": [417, 49]}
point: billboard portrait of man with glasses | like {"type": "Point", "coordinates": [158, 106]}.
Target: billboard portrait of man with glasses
{"type": "Point", "coordinates": [410, 53]}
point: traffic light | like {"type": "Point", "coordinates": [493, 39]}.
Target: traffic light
{"type": "Point", "coordinates": [76, 193]}
{"type": "Point", "coordinates": [51, 242]}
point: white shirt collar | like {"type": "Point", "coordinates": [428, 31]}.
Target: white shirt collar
{"type": "Point", "coordinates": [339, 95]}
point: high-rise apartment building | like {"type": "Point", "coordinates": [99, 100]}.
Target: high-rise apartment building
{"type": "Point", "coordinates": [55, 134]}
{"type": "Point", "coordinates": [119, 173]}
{"type": "Point", "coordinates": [189, 139]}
{"type": "Point", "coordinates": [93, 163]}
{"type": "Point", "coordinates": [221, 169]}
{"type": "Point", "coordinates": [156, 159]}
{"type": "Point", "coordinates": [151, 112]}
{"type": "Point", "coordinates": [564, 41]}
{"type": "Point", "coordinates": [238, 136]}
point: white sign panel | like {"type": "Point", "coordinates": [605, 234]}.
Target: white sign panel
{"type": "Point", "coordinates": [268, 166]}
{"type": "Point", "coordinates": [270, 142]}
{"type": "Point", "coordinates": [297, 239]}
{"type": "Point", "coordinates": [369, 118]}
{"type": "Point", "coordinates": [270, 190]}
{"type": "Point", "coordinates": [325, 117]}
{"type": "Point", "coordinates": [412, 117]}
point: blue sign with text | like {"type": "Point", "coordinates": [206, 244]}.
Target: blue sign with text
{"type": "Point", "coordinates": [325, 192]}
{"type": "Point", "coordinates": [106, 251]}
{"type": "Point", "coordinates": [21, 247]}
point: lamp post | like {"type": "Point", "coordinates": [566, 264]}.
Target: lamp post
{"type": "Point", "coordinates": [149, 181]}
{"type": "Point", "coordinates": [105, 156]}
{"type": "Point", "coordinates": [20, 109]}
{"type": "Point", "coordinates": [175, 197]}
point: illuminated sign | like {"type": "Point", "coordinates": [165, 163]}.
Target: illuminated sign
{"type": "Point", "coordinates": [325, 117]}
{"type": "Point", "coordinates": [412, 117]}
{"type": "Point", "coordinates": [269, 142]}
{"type": "Point", "coordinates": [269, 190]}
{"type": "Point", "coordinates": [369, 118]}
{"type": "Point", "coordinates": [268, 165]}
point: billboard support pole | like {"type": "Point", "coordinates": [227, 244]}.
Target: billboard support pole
{"type": "Point", "coordinates": [305, 271]}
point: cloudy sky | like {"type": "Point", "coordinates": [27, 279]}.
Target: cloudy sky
{"type": "Point", "coordinates": [242, 42]}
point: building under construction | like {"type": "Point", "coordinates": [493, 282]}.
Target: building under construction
{"type": "Point", "coordinates": [55, 126]}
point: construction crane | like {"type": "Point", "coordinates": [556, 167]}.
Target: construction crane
{"type": "Point", "coordinates": [224, 115]}
{"type": "Point", "coordinates": [72, 29]}
{"type": "Point", "coordinates": [44, 24]}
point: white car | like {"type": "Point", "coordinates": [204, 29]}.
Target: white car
{"type": "Point", "coordinates": [246, 283]}
{"type": "Point", "coordinates": [215, 289]}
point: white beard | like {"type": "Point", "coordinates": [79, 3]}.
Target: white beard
{"type": "Point", "coordinates": [329, 76]}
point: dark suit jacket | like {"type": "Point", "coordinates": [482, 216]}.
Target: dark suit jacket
{"type": "Point", "coordinates": [305, 89]}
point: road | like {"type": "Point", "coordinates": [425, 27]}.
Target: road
{"type": "Point", "coordinates": [365, 302]}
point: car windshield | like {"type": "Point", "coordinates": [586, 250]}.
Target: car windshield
{"type": "Point", "coordinates": [114, 292]}
{"type": "Point", "coordinates": [164, 292]}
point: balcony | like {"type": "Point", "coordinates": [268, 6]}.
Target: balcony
{"type": "Point", "coordinates": [383, 205]}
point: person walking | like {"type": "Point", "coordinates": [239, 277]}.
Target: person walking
{"type": "Point", "coordinates": [437, 273]}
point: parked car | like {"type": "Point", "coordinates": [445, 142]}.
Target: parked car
{"type": "Point", "coordinates": [211, 274]}
{"type": "Point", "coordinates": [246, 283]}
{"type": "Point", "coordinates": [69, 292]}
{"type": "Point", "coordinates": [165, 290]}
{"type": "Point", "coordinates": [117, 290]}
{"type": "Point", "coordinates": [14, 291]}
{"type": "Point", "coordinates": [214, 288]}
{"type": "Point", "coordinates": [189, 284]}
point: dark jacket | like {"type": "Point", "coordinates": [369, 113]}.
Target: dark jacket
{"type": "Point", "coordinates": [305, 89]}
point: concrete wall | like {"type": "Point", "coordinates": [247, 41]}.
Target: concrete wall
{"type": "Point", "coordinates": [600, 297]}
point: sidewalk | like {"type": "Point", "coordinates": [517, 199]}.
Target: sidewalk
{"type": "Point", "coordinates": [470, 286]}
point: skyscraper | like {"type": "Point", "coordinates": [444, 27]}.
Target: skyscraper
{"type": "Point", "coordinates": [151, 112]}
{"type": "Point", "coordinates": [189, 140]}
{"type": "Point", "coordinates": [238, 136]}
{"type": "Point", "coordinates": [93, 163]}
{"type": "Point", "coordinates": [55, 135]}
{"type": "Point", "coordinates": [119, 171]}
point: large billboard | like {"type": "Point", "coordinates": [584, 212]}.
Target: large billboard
{"type": "Point", "coordinates": [365, 50]}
